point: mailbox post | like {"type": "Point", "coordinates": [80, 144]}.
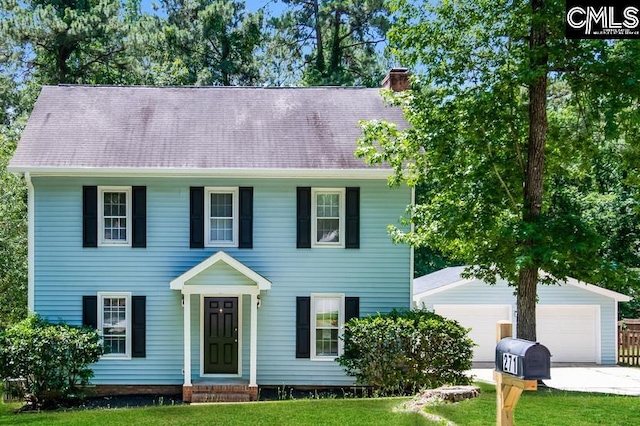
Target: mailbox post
{"type": "Point", "coordinates": [519, 365]}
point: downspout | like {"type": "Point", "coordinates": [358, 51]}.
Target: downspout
{"type": "Point", "coordinates": [616, 327]}
{"type": "Point", "coordinates": [412, 303]}
{"type": "Point", "coordinates": [31, 295]}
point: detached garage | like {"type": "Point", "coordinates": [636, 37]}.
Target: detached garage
{"type": "Point", "coordinates": [575, 320]}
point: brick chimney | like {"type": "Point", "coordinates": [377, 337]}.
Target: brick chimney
{"type": "Point", "coordinates": [397, 80]}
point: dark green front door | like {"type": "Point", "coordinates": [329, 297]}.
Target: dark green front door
{"type": "Point", "coordinates": [220, 335]}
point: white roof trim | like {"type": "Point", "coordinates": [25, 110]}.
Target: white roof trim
{"type": "Point", "coordinates": [418, 296]}
{"type": "Point", "coordinates": [261, 282]}
{"type": "Point", "coordinates": [364, 173]}
{"type": "Point", "coordinates": [618, 297]}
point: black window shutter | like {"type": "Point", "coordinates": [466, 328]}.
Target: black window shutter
{"type": "Point", "coordinates": [352, 218]}
{"type": "Point", "coordinates": [90, 311]}
{"type": "Point", "coordinates": [351, 308]}
{"type": "Point", "coordinates": [303, 327]}
{"type": "Point", "coordinates": [139, 219]}
{"type": "Point", "coordinates": [196, 232]}
{"type": "Point", "coordinates": [245, 230]}
{"type": "Point", "coordinates": [89, 216]}
{"type": "Point", "coordinates": [138, 326]}
{"type": "Point", "coordinates": [303, 216]}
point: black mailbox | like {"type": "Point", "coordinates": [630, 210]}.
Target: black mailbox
{"type": "Point", "coordinates": [523, 358]}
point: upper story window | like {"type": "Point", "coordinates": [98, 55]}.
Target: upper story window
{"type": "Point", "coordinates": [221, 213]}
{"type": "Point", "coordinates": [327, 222]}
{"type": "Point", "coordinates": [115, 215]}
{"type": "Point", "coordinates": [114, 322]}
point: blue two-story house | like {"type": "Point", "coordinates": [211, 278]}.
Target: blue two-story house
{"type": "Point", "coordinates": [218, 238]}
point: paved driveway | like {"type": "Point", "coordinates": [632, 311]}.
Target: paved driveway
{"type": "Point", "coordinates": [592, 378]}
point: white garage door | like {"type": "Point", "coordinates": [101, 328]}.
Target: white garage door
{"type": "Point", "coordinates": [570, 332]}
{"type": "Point", "coordinates": [482, 320]}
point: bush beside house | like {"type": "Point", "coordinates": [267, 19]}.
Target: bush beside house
{"type": "Point", "coordinates": [402, 352]}
{"type": "Point", "coordinates": [51, 359]}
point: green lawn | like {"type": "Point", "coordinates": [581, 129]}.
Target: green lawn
{"type": "Point", "coordinates": [299, 412]}
{"type": "Point", "coordinates": [547, 408]}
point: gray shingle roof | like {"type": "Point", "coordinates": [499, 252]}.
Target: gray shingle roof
{"type": "Point", "coordinates": [437, 279]}
{"type": "Point", "coordinates": [98, 127]}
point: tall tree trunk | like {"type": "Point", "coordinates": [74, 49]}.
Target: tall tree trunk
{"type": "Point", "coordinates": [225, 63]}
{"type": "Point", "coordinates": [528, 277]}
{"type": "Point", "coordinates": [336, 56]}
{"type": "Point", "coordinates": [318, 30]}
{"type": "Point", "coordinates": [62, 55]}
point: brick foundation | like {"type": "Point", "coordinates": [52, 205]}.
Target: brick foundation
{"type": "Point", "coordinates": [186, 393]}
{"type": "Point", "coordinates": [107, 390]}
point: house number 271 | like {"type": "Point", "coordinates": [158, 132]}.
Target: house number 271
{"type": "Point", "coordinates": [510, 364]}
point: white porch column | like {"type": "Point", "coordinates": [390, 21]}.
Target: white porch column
{"type": "Point", "coordinates": [253, 352]}
{"type": "Point", "coordinates": [187, 338]}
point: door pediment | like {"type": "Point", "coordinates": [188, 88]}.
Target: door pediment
{"type": "Point", "coordinates": [220, 274]}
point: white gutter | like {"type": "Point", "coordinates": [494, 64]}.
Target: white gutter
{"type": "Point", "coordinates": [30, 243]}
{"type": "Point", "coordinates": [293, 173]}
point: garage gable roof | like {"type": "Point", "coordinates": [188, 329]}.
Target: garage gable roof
{"type": "Point", "coordinates": [448, 278]}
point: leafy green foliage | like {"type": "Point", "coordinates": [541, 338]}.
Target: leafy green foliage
{"type": "Point", "coordinates": [405, 351]}
{"type": "Point", "coordinates": [13, 238]}
{"type": "Point", "coordinates": [53, 359]}
{"type": "Point", "coordinates": [468, 146]}
{"type": "Point", "coordinates": [71, 41]}
{"type": "Point", "coordinates": [331, 42]}
{"type": "Point", "coordinates": [215, 41]}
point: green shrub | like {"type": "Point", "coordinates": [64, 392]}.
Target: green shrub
{"type": "Point", "coordinates": [402, 352]}
{"type": "Point", "coordinates": [52, 359]}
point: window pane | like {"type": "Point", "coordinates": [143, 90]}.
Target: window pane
{"type": "Point", "coordinates": [115, 229]}
{"type": "Point", "coordinates": [327, 342]}
{"type": "Point", "coordinates": [115, 345]}
{"type": "Point", "coordinates": [114, 324]}
{"type": "Point", "coordinates": [328, 231]}
{"type": "Point", "coordinates": [221, 230]}
{"type": "Point", "coordinates": [221, 205]}
{"type": "Point", "coordinates": [122, 204]}
{"type": "Point", "coordinates": [327, 312]}
{"type": "Point", "coordinates": [115, 216]}
{"type": "Point", "coordinates": [328, 205]}
{"type": "Point", "coordinates": [221, 217]}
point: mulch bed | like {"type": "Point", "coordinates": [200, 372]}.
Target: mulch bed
{"type": "Point", "coordinates": [108, 402]}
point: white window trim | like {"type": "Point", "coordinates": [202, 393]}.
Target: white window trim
{"type": "Point", "coordinates": [341, 314]}
{"type": "Point", "coordinates": [127, 296]}
{"type": "Point", "coordinates": [101, 240]}
{"type": "Point", "coordinates": [207, 214]}
{"type": "Point", "coordinates": [314, 217]}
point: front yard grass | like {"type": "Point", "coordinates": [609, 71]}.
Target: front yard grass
{"type": "Point", "coordinates": [299, 412]}
{"type": "Point", "coordinates": [546, 407]}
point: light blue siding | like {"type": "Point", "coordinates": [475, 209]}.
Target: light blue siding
{"type": "Point", "coordinates": [478, 292]}
{"type": "Point", "coordinates": [378, 273]}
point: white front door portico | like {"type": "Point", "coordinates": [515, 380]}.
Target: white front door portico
{"type": "Point", "coordinates": [221, 282]}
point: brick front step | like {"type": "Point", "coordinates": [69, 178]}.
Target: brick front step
{"type": "Point", "coordinates": [219, 397]}
{"type": "Point", "coordinates": [219, 393]}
